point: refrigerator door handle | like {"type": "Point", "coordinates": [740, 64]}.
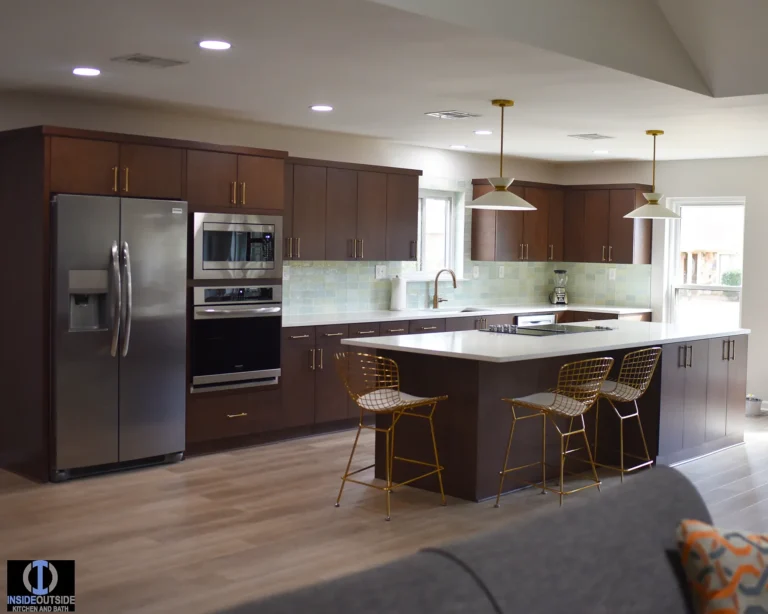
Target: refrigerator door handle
{"type": "Point", "coordinates": [117, 300]}
{"type": "Point", "coordinates": [128, 298]}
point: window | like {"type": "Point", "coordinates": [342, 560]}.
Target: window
{"type": "Point", "coordinates": [436, 232]}
{"type": "Point", "coordinates": [708, 246]}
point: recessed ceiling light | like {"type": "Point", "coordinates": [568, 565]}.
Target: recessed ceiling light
{"type": "Point", "coordinates": [458, 146]}
{"type": "Point", "coordinates": [215, 45]}
{"type": "Point", "coordinates": [483, 132]}
{"type": "Point", "coordinates": [601, 151]}
{"type": "Point", "coordinates": [86, 72]}
{"type": "Point", "coordinates": [321, 108]}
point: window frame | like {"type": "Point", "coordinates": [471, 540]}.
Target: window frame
{"type": "Point", "coordinates": [450, 222]}
{"type": "Point", "coordinates": [676, 204]}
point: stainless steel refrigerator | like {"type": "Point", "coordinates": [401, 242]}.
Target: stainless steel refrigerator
{"type": "Point", "coordinates": [119, 332]}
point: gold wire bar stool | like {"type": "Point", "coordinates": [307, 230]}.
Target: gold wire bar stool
{"type": "Point", "coordinates": [637, 369]}
{"type": "Point", "coordinates": [578, 385]}
{"type": "Point", "coordinates": [373, 383]}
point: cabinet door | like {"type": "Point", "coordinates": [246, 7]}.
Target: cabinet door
{"type": "Point", "coordinates": [621, 231]}
{"type": "Point", "coordinates": [695, 428]}
{"type": "Point", "coordinates": [389, 329]}
{"type": "Point", "coordinates": [555, 230]}
{"type": "Point", "coordinates": [501, 319]}
{"type": "Point", "coordinates": [717, 388]}
{"type": "Point", "coordinates": [219, 415]}
{"type": "Point", "coordinates": [288, 213]}
{"type": "Point", "coordinates": [483, 228]}
{"type": "Point", "coordinates": [261, 182]}
{"type": "Point", "coordinates": [331, 398]}
{"type": "Point", "coordinates": [211, 179]}
{"type": "Point", "coordinates": [148, 171]}
{"type": "Point", "coordinates": [371, 215]}
{"type": "Point", "coordinates": [737, 387]}
{"type": "Point", "coordinates": [671, 415]}
{"type": "Point", "coordinates": [364, 329]}
{"type": "Point", "coordinates": [427, 326]}
{"type": "Point", "coordinates": [509, 232]}
{"type": "Point", "coordinates": [402, 216]}
{"type": "Point", "coordinates": [80, 166]}
{"type": "Point", "coordinates": [573, 222]}
{"type": "Point", "coordinates": [596, 213]}
{"type": "Point", "coordinates": [453, 325]}
{"type": "Point", "coordinates": [341, 215]}
{"type": "Point", "coordinates": [536, 225]}
{"type": "Point", "coordinates": [309, 212]}
{"type": "Point", "coordinates": [298, 362]}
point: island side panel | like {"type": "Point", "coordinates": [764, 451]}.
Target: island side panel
{"type": "Point", "coordinates": [455, 423]}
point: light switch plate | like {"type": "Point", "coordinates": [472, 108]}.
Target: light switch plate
{"type": "Point", "coordinates": [475, 272]}
{"type": "Point", "coordinates": [286, 273]}
{"type": "Point", "coordinates": [381, 271]}
{"type": "Point", "coordinates": [501, 271]}
{"type": "Point", "coordinates": [612, 274]}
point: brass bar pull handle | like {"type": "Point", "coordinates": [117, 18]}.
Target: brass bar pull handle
{"type": "Point", "coordinates": [527, 251]}
{"type": "Point", "coordinates": [521, 251]}
{"type": "Point", "coordinates": [610, 253]}
{"type": "Point", "coordinates": [603, 253]}
{"type": "Point", "coordinates": [396, 330]}
{"type": "Point", "coordinates": [333, 335]}
{"type": "Point", "coordinates": [689, 356]}
{"type": "Point", "coordinates": [298, 247]}
{"type": "Point", "coordinates": [242, 192]}
{"type": "Point", "coordinates": [365, 332]}
{"type": "Point", "coordinates": [429, 328]}
{"type": "Point", "coordinates": [289, 246]}
{"type": "Point", "coordinates": [125, 185]}
{"type": "Point", "coordinates": [354, 249]}
{"type": "Point", "coordinates": [551, 252]}
{"type": "Point", "coordinates": [362, 247]}
{"type": "Point", "coordinates": [321, 358]}
{"type": "Point", "coordinates": [299, 336]}
{"type": "Point", "coordinates": [312, 356]}
{"type": "Point", "coordinates": [114, 178]}
{"type": "Point", "coordinates": [733, 349]}
{"type": "Point", "coordinates": [724, 353]}
{"type": "Point", "coordinates": [233, 193]}
{"type": "Point", "coordinates": [241, 415]}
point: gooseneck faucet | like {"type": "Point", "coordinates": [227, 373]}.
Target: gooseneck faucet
{"type": "Point", "coordinates": [435, 299]}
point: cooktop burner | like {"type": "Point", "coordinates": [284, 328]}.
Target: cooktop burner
{"type": "Point", "coordinates": [543, 330]}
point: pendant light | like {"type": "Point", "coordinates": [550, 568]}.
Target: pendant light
{"type": "Point", "coordinates": [500, 198]}
{"type": "Point", "coordinates": [653, 210]}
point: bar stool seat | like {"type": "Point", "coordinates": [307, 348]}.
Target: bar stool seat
{"type": "Point", "coordinates": [387, 400]}
{"type": "Point", "coordinates": [616, 391]}
{"type": "Point", "coordinates": [544, 401]}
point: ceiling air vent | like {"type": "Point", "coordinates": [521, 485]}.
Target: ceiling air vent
{"type": "Point", "coordinates": [451, 114]}
{"type": "Point", "coordinates": [139, 59]}
{"type": "Point", "coordinates": [592, 136]}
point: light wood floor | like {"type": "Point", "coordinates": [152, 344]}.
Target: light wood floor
{"type": "Point", "coordinates": [218, 530]}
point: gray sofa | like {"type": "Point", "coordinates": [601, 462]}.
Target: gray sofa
{"type": "Point", "coordinates": [610, 554]}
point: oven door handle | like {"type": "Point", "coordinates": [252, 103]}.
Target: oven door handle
{"type": "Point", "coordinates": [251, 312]}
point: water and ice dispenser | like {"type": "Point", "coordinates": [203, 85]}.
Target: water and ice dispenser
{"type": "Point", "coordinates": [88, 301]}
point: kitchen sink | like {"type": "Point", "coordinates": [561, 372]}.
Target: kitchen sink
{"type": "Point", "coordinates": [474, 309]}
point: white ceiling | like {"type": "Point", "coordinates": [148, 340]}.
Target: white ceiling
{"type": "Point", "coordinates": [382, 68]}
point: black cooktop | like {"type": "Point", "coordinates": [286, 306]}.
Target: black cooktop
{"type": "Point", "coordinates": [545, 330]}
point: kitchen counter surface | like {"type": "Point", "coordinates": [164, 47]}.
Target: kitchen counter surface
{"type": "Point", "coordinates": [448, 312]}
{"type": "Point", "coordinates": [501, 348]}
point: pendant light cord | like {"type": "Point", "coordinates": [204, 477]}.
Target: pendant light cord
{"type": "Point", "coordinates": [501, 153]}
{"type": "Point", "coordinates": [654, 163]}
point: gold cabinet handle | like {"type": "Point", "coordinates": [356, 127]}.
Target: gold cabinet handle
{"type": "Point", "coordinates": [610, 253]}
{"type": "Point", "coordinates": [288, 247]}
{"type": "Point", "coordinates": [361, 248]}
{"type": "Point", "coordinates": [299, 336]}
{"type": "Point", "coordinates": [241, 415]}
{"type": "Point", "coordinates": [354, 249]}
{"type": "Point", "coordinates": [521, 252]}
{"type": "Point", "coordinates": [365, 332]}
{"type": "Point", "coordinates": [603, 253]}
{"type": "Point", "coordinates": [312, 355]}
{"type": "Point", "coordinates": [298, 247]}
{"type": "Point", "coordinates": [125, 185]}
{"type": "Point", "coordinates": [396, 330]}
{"type": "Point", "coordinates": [242, 193]}
{"type": "Point", "coordinates": [333, 334]}
{"type": "Point", "coordinates": [114, 178]}
{"type": "Point", "coordinates": [429, 328]}
{"type": "Point", "coordinates": [233, 193]}
{"type": "Point", "coordinates": [320, 351]}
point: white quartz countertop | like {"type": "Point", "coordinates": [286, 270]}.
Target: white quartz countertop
{"type": "Point", "coordinates": [500, 347]}
{"type": "Point", "coordinates": [447, 312]}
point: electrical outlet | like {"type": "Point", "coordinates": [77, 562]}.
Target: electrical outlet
{"type": "Point", "coordinates": [612, 274]}
{"type": "Point", "coordinates": [475, 272]}
{"type": "Point", "coordinates": [381, 271]}
{"type": "Point", "coordinates": [501, 271]}
{"type": "Point", "coordinates": [286, 273]}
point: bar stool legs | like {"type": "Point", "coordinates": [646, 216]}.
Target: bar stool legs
{"type": "Point", "coordinates": [645, 461]}
{"type": "Point", "coordinates": [505, 470]}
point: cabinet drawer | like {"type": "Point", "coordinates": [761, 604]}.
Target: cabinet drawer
{"type": "Point", "coordinates": [586, 316]}
{"type": "Point", "coordinates": [427, 326]}
{"type": "Point", "coordinates": [326, 334]}
{"type": "Point", "coordinates": [453, 325]}
{"type": "Point", "coordinates": [394, 328]}
{"type": "Point", "coordinates": [367, 329]}
{"type": "Point", "coordinates": [299, 333]}
{"type": "Point", "coordinates": [214, 415]}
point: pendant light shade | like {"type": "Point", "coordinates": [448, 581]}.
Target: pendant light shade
{"type": "Point", "coordinates": [500, 198]}
{"type": "Point", "coordinates": [653, 210]}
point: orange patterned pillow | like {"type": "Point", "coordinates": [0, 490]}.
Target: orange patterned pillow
{"type": "Point", "coordinates": [727, 570]}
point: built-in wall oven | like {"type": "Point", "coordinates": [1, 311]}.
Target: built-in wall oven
{"type": "Point", "coordinates": [238, 246]}
{"type": "Point", "coordinates": [236, 337]}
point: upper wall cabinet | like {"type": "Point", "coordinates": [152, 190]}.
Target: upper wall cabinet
{"type": "Point", "coordinates": [338, 211]}
{"type": "Point", "coordinates": [84, 166]}
{"type": "Point", "coordinates": [216, 179]}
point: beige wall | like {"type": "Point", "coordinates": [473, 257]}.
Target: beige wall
{"type": "Point", "coordinates": [732, 177]}
{"type": "Point", "coordinates": [18, 110]}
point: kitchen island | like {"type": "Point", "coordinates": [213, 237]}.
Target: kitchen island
{"type": "Point", "coordinates": [695, 404]}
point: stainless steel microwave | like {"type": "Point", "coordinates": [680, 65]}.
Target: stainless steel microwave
{"type": "Point", "coordinates": [238, 246]}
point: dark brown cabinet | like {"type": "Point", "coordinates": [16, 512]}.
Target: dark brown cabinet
{"type": "Point", "coordinates": [260, 182]}
{"type": "Point", "coordinates": [298, 360]}
{"type": "Point", "coordinates": [737, 387]}
{"type": "Point", "coordinates": [453, 325]}
{"type": "Point", "coordinates": [597, 209]}
{"type": "Point", "coordinates": [573, 226]}
{"type": "Point", "coordinates": [509, 232]}
{"type": "Point", "coordinates": [402, 217]}
{"type": "Point", "coordinates": [84, 166]}
{"type": "Point", "coordinates": [364, 329]}
{"type": "Point", "coordinates": [536, 225]}
{"type": "Point", "coordinates": [556, 234]}
{"type": "Point", "coordinates": [341, 241]}
{"type": "Point", "coordinates": [372, 214]}
{"type": "Point", "coordinates": [307, 239]}
{"type": "Point", "coordinates": [436, 325]}
{"type": "Point", "coordinates": [395, 328]}
{"type": "Point", "coordinates": [695, 414]}
{"type": "Point", "coordinates": [672, 403]}
{"type": "Point", "coordinates": [331, 398]}
{"type": "Point", "coordinates": [483, 228]}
